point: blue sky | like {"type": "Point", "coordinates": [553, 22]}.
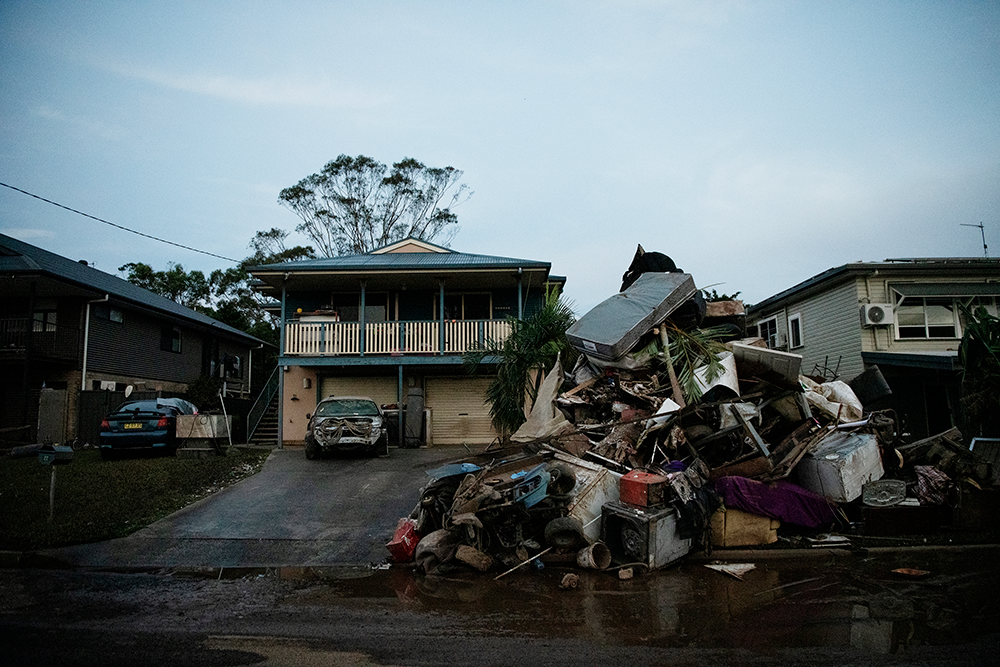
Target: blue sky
{"type": "Point", "coordinates": [756, 143]}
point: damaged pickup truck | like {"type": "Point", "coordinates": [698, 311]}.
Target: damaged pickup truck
{"type": "Point", "coordinates": [347, 424]}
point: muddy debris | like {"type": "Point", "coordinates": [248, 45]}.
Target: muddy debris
{"type": "Point", "coordinates": [674, 431]}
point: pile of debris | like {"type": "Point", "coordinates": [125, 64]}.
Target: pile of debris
{"type": "Point", "coordinates": [675, 432]}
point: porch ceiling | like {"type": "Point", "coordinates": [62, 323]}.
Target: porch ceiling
{"type": "Point", "coordinates": [382, 281]}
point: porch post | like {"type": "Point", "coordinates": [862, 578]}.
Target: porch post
{"type": "Point", "coordinates": [520, 296]}
{"type": "Point", "coordinates": [441, 318]}
{"type": "Point", "coordinates": [361, 317]}
{"type": "Point", "coordinates": [281, 377]}
{"type": "Point", "coordinates": [399, 404]}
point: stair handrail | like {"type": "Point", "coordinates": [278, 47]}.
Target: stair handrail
{"type": "Point", "coordinates": [262, 403]}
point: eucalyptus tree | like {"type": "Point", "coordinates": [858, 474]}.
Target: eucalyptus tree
{"type": "Point", "coordinates": [357, 204]}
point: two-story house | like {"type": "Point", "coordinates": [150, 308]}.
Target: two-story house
{"type": "Point", "coordinates": [904, 316]}
{"type": "Point", "coordinates": [397, 320]}
{"type": "Point", "coordinates": [68, 327]}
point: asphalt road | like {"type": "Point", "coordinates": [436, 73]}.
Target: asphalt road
{"type": "Point", "coordinates": [277, 570]}
{"type": "Point", "coordinates": [807, 611]}
{"type": "Point", "coordinates": [328, 512]}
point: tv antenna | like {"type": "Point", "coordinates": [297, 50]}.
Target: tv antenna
{"type": "Point", "coordinates": [982, 231]}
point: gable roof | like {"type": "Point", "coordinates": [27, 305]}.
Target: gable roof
{"type": "Point", "coordinates": [20, 259]}
{"type": "Point", "coordinates": [967, 268]}
{"type": "Point", "coordinates": [400, 257]}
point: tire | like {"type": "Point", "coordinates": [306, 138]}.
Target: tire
{"type": "Point", "coordinates": [563, 479]}
{"type": "Point", "coordinates": [312, 449]}
{"type": "Point", "coordinates": [107, 454]}
{"type": "Point", "coordinates": [382, 445]}
{"type": "Point", "coordinates": [565, 533]}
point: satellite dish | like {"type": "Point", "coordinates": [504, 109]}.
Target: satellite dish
{"type": "Point", "coordinates": [128, 391]}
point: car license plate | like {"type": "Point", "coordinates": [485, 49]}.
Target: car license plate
{"type": "Point", "coordinates": [131, 425]}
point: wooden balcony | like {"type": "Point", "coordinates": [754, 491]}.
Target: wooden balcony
{"type": "Point", "coordinates": [322, 339]}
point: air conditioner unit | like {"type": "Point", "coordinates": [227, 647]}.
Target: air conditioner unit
{"type": "Point", "coordinates": [876, 314]}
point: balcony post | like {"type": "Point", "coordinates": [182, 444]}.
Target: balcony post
{"type": "Point", "coordinates": [520, 297]}
{"type": "Point", "coordinates": [441, 318]}
{"type": "Point", "coordinates": [361, 333]}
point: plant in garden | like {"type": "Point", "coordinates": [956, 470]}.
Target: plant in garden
{"type": "Point", "coordinates": [522, 359]}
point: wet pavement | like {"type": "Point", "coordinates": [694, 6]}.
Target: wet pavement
{"type": "Point", "coordinates": [814, 610]}
{"type": "Point", "coordinates": [327, 512]}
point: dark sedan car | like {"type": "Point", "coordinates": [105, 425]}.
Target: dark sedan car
{"type": "Point", "coordinates": [347, 423]}
{"type": "Point", "coordinates": [143, 426]}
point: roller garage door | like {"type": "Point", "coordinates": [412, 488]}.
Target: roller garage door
{"type": "Point", "coordinates": [459, 413]}
{"type": "Point", "coordinates": [382, 390]}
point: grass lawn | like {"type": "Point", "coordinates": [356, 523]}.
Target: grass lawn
{"type": "Point", "coordinates": [99, 500]}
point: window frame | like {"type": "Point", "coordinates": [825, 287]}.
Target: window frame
{"type": "Point", "coordinates": [767, 341]}
{"type": "Point", "coordinates": [462, 307]}
{"type": "Point", "coordinates": [171, 339]}
{"type": "Point", "coordinates": [927, 326]}
{"type": "Point", "coordinates": [792, 343]}
{"type": "Point", "coordinates": [47, 323]}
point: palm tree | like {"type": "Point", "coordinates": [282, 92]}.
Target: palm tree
{"type": "Point", "coordinates": [531, 348]}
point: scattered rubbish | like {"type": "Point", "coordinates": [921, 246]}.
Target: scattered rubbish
{"type": "Point", "coordinates": [829, 541]}
{"type": "Point", "coordinates": [883, 493]}
{"type": "Point", "coordinates": [569, 581]}
{"type": "Point", "coordinates": [736, 528]}
{"type": "Point", "coordinates": [674, 429]}
{"type": "Point", "coordinates": [911, 573]}
{"type": "Point", "coordinates": [734, 570]}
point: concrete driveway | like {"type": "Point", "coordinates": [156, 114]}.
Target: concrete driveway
{"type": "Point", "coordinates": [329, 512]}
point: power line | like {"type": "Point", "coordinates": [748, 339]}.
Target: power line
{"type": "Point", "coordinates": [92, 217]}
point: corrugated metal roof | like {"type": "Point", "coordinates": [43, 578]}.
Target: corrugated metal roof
{"type": "Point", "coordinates": [405, 261]}
{"type": "Point", "coordinates": [17, 257]}
{"type": "Point", "coordinates": [894, 267]}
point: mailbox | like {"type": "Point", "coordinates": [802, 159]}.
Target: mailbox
{"type": "Point", "coordinates": [55, 455]}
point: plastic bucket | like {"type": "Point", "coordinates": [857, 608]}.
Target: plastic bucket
{"type": "Point", "coordinates": [595, 557]}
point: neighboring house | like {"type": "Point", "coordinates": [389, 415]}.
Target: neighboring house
{"type": "Point", "coordinates": [67, 326]}
{"type": "Point", "coordinates": [394, 322]}
{"type": "Point", "coordinates": [904, 316]}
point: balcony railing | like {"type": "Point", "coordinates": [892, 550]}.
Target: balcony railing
{"type": "Point", "coordinates": [61, 342]}
{"type": "Point", "coordinates": [344, 338]}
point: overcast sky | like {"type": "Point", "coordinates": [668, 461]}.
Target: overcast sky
{"type": "Point", "coordinates": [756, 143]}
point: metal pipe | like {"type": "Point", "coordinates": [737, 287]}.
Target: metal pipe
{"type": "Point", "coordinates": [86, 340]}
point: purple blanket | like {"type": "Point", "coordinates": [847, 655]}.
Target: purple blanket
{"type": "Point", "coordinates": [781, 500]}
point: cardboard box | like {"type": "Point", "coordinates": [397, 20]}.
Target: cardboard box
{"type": "Point", "coordinates": [736, 528]}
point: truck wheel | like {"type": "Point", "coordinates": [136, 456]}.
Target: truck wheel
{"type": "Point", "coordinates": [382, 445]}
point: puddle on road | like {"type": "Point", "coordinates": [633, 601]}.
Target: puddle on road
{"type": "Point", "coordinates": [858, 604]}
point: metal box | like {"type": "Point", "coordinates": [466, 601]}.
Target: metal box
{"type": "Point", "coordinates": [55, 455]}
{"type": "Point", "coordinates": [635, 535]}
{"type": "Point", "coordinates": [613, 327]}
{"type": "Point", "coordinates": [643, 489]}
{"type": "Point", "coordinates": [841, 465]}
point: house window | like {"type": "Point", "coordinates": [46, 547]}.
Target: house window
{"type": "Point", "coordinates": [795, 331]}
{"type": "Point", "coordinates": [926, 317]}
{"type": "Point", "coordinates": [768, 330]}
{"type": "Point", "coordinates": [44, 320]}
{"type": "Point", "coordinates": [466, 307]}
{"type": "Point", "coordinates": [108, 313]}
{"type": "Point", "coordinates": [170, 339]}
{"type": "Point", "coordinates": [987, 302]}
